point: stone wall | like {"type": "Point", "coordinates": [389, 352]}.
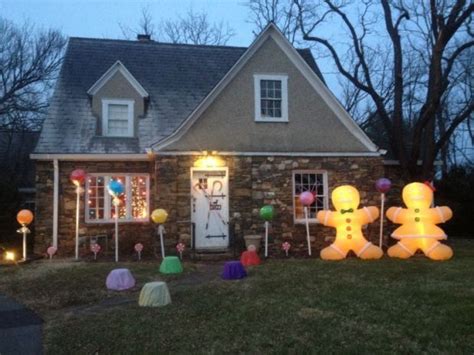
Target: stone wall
{"type": "Point", "coordinates": [253, 182]}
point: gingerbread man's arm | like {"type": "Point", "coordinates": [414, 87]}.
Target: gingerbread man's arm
{"type": "Point", "coordinates": [397, 214]}
{"type": "Point", "coordinates": [440, 214]}
{"type": "Point", "coordinates": [367, 214]}
{"type": "Point", "coordinates": [326, 218]}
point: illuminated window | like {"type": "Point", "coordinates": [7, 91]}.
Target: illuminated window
{"type": "Point", "coordinates": [134, 206]}
{"type": "Point", "coordinates": [271, 98]}
{"type": "Point", "coordinates": [315, 182]}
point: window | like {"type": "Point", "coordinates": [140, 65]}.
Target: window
{"type": "Point", "coordinates": [315, 182]}
{"type": "Point", "coordinates": [117, 118]}
{"type": "Point", "coordinates": [271, 98]}
{"type": "Point", "coordinates": [135, 200]}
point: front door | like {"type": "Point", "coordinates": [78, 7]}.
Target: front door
{"type": "Point", "coordinates": [210, 207]}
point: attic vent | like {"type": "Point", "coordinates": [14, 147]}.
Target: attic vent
{"type": "Point", "coordinates": [143, 38]}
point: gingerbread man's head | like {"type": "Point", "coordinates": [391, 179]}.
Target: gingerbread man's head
{"type": "Point", "coordinates": [345, 197]}
{"type": "Point", "coordinates": [417, 195]}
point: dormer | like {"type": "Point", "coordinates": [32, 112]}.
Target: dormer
{"type": "Point", "coordinates": [118, 100]}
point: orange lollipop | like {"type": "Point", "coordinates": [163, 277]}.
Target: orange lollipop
{"type": "Point", "coordinates": [24, 217]}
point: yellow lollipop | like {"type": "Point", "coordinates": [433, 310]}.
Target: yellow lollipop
{"type": "Point", "coordinates": [159, 216]}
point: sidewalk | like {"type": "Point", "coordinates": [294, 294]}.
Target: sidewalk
{"type": "Point", "coordinates": [20, 329]}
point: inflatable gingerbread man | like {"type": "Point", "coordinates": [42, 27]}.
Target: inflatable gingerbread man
{"type": "Point", "coordinates": [418, 228]}
{"type": "Point", "coordinates": [348, 221]}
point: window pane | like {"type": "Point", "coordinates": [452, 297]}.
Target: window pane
{"type": "Point", "coordinates": [139, 197]}
{"type": "Point", "coordinates": [122, 208]}
{"type": "Point", "coordinates": [117, 121]}
{"type": "Point", "coordinates": [95, 201]}
{"type": "Point", "coordinates": [313, 183]}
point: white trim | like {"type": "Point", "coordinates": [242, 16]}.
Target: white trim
{"type": "Point", "coordinates": [441, 214]}
{"type": "Point", "coordinates": [283, 78]}
{"type": "Point", "coordinates": [117, 67]}
{"type": "Point", "coordinates": [271, 31]}
{"type": "Point", "coordinates": [55, 202]}
{"type": "Point", "coordinates": [364, 248]}
{"type": "Point", "coordinates": [325, 195]}
{"type": "Point", "coordinates": [91, 157]}
{"type": "Point", "coordinates": [107, 203]}
{"type": "Point", "coordinates": [281, 154]}
{"type": "Point", "coordinates": [105, 116]}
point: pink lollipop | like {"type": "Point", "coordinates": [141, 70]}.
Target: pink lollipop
{"type": "Point", "coordinates": [286, 247]}
{"type": "Point", "coordinates": [95, 248]}
{"type": "Point", "coordinates": [51, 251]}
{"type": "Point", "coordinates": [138, 248]}
{"type": "Point", "coordinates": [180, 248]}
{"type": "Point", "coordinates": [306, 198]}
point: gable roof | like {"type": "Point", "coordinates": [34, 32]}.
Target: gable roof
{"type": "Point", "coordinates": [120, 68]}
{"type": "Point", "coordinates": [271, 31]}
{"type": "Point", "coordinates": [177, 78]}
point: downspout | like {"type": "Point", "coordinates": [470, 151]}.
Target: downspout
{"type": "Point", "coordinates": [55, 203]}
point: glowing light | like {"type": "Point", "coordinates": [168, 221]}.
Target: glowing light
{"type": "Point", "coordinates": [10, 256]}
{"type": "Point", "coordinates": [209, 162]}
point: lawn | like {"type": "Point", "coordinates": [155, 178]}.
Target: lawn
{"type": "Point", "coordinates": [291, 305]}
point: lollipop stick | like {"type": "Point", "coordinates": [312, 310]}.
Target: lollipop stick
{"type": "Point", "coordinates": [116, 234]}
{"type": "Point", "coordinates": [266, 238]}
{"type": "Point", "coordinates": [78, 194]}
{"type": "Point", "coordinates": [307, 229]}
{"type": "Point", "coordinates": [160, 230]}
{"type": "Point", "coordinates": [382, 203]}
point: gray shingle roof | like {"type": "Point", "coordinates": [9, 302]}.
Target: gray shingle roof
{"type": "Point", "coordinates": [177, 77]}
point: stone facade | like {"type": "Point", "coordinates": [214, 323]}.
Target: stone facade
{"type": "Point", "coordinates": [253, 182]}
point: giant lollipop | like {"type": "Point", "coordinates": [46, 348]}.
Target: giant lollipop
{"type": "Point", "coordinates": [24, 217]}
{"type": "Point", "coordinates": [159, 217]}
{"type": "Point", "coordinates": [267, 213]}
{"type": "Point", "coordinates": [382, 185]}
{"type": "Point", "coordinates": [77, 177]}
{"type": "Point", "coordinates": [306, 199]}
{"type": "Point", "coordinates": [115, 189]}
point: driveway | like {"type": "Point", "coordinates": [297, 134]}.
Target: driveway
{"type": "Point", "coordinates": [20, 329]}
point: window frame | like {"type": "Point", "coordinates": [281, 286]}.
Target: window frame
{"type": "Point", "coordinates": [105, 116]}
{"type": "Point", "coordinates": [107, 199]}
{"type": "Point", "coordinates": [283, 78]}
{"type": "Point", "coordinates": [324, 173]}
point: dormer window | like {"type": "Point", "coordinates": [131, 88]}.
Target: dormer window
{"type": "Point", "coordinates": [271, 98]}
{"type": "Point", "coordinates": [117, 118]}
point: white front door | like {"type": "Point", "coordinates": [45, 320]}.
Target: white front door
{"type": "Point", "coordinates": [210, 207]}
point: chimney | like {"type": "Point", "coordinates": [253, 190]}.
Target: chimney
{"type": "Point", "coordinates": [143, 38]}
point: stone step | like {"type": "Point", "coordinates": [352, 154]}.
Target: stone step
{"type": "Point", "coordinates": [213, 255]}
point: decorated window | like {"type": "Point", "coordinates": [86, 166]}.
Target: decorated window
{"type": "Point", "coordinates": [134, 206]}
{"type": "Point", "coordinates": [271, 98]}
{"type": "Point", "coordinates": [315, 182]}
{"type": "Point", "coordinates": [117, 118]}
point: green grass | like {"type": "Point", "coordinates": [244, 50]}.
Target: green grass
{"type": "Point", "coordinates": [293, 305]}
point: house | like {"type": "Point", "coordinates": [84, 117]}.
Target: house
{"type": "Point", "coordinates": [209, 133]}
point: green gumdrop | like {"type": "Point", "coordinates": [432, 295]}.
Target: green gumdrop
{"type": "Point", "coordinates": [267, 213]}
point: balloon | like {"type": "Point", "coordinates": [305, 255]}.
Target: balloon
{"type": "Point", "coordinates": [115, 188]}
{"type": "Point", "coordinates": [24, 217]}
{"type": "Point", "coordinates": [159, 216]}
{"type": "Point", "coordinates": [348, 220]}
{"type": "Point", "coordinates": [267, 213]}
{"type": "Point", "coordinates": [306, 198]}
{"type": "Point", "coordinates": [78, 176]}
{"type": "Point", "coordinates": [383, 185]}
{"type": "Point", "coordinates": [419, 228]}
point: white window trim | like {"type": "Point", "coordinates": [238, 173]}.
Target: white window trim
{"type": "Point", "coordinates": [284, 97]}
{"type": "Point", "coordinates": [105, 116]}
{"type": "Point", "coordinates": [107, 210]}
{"type": "Point", "coordinates": [325, 188]}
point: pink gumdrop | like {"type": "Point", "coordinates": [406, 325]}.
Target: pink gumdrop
{"type": "Point", "coordinates": [306, 198]}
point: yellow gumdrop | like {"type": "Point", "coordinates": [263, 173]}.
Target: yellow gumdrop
{"type": "Point", "coordinates": [159, 216]}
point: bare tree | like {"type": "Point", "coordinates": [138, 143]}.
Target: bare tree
{"type": "Point", "coordinates": [399, 50]}
{"type": "Point", "coordinates": [29, 64]}
{"type": "Point", "coordinates": [194, 28]}
{"type": "Point", "coordinates": [283, 13]}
